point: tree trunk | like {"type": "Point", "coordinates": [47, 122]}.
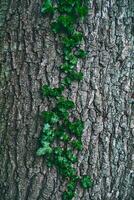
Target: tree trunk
{"type": "Point", "coordinates": [30, 58]}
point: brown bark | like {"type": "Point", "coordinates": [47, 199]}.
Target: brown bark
{"type": "Point", "coordinates": [104, 100]}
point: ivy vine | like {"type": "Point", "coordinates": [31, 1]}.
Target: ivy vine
{"type": "Point", "coordinates": [58, 127]}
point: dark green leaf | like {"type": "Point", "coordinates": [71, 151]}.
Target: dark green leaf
{"type": "Point", "coordinates": [75, 76]}
{"type": "Point", "coordinates": [67, 81]}
{"type": "Point", "coordinates": [47, 7]}
{"type": "Point", "coordinates": [50, 117]}
{"type": "Point", "coordinates": [65, 103]}
{"type": "Point", "coordinates": [52, 92]}
{"type": "Point", "coordinates": [77, 144]}
{"type": "Point", "coordinates": [65, 20]}
{"type": "Point", "coordinates": [64, 137]}
{"type": "Point", "coordinates": [76, 127]}
{"type": "Point", "coordinates": [71, 156]}
{"type": "Point", "coordinates": [78, 36]}
{"type": "Point", "coordinates": [56, 27]}
{"type": "Point", "coordinates": [81, 53]}
{"type": "Point", "coordinates": [82, 11]}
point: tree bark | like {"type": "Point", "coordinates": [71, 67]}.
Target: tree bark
{"type": "Point", "coordinates": [105, 101]}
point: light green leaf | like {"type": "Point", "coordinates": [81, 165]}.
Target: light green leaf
{"type": "Point", "coordinates": [45, 149]}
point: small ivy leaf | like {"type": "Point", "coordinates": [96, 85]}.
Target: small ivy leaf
{"type": "Point", "coordinates": [75, 76]}
{"type": "Point", "coordinates": [47, 7]}
{"type": "Point", "coordinates": [69, 42]}
{"type": "Point", "coordinates": [65, 9]}
{"type": "Point", "coordinates": [48, 135]}
{"type": "Point", "coordinates": [71, 186]}
{"type": "Point", "coordinates": [67, 170]}
{"type": "Point", "coordinates": [67, 196]}
{"type": "Point", "coordinates": [82, 11]}
{"type": "Point", "coordinates": [71, 172]}
{"type": "Point", "coordinates": [71, 156]}
{"type": "Point", "coordinates": [64, 137]}
{"type": "Point", "coordinates": [55, 118]}
{"type": "Point", "coordinates": [52, 92]}
{"type": "Point", "coordinates": [65, 104]}
{"type": "Point", "coordinates": [81, 53]}
{"type": "Point", "coordinates": [66, 81]}
{"type": "Point", "coordinates": [66, 67]}
{"type": "Point", "coordinates": [77, 144]}
{"type": "Point", "coordinates": [64, 24]}
{"type": "Point", "coordinates": [62, 160]}
{"type": "Point", "coordinates": [46, 127]}
{"type": "Point", "coordinates": [40, 152]}
{"type": "Point", "coordinates": [65, 20]}
{"type": "Point", "coordinates": [46, 149]}
{"type": "Point", "coordinates": [50, 117]}
{"type": "Point", "coordinates": [78, 36]}
{"type": "Point", "coordinates": [86, 182]}
{"type": "Point", "coordinates": [72, 59]}
{"type": "Point", "coordinates": [76, 127]}
{"type": "Point", "coordinates": [58, 150]}
{"type": "Point", "coordinates": [56, 27]}
{"type": "Point", "coordinates": [63, 113]}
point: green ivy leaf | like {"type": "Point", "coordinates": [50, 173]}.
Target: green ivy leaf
{"type": "Point", "coordinates": [48, 134]}
{"type": "Point", "coordinates": [72, 59]}
{"type": "Point", "coordinates": [81, 53]}
{"type": "Point", "coordinates": [61, 112]}
{"type": "Point", "coordinates": [58, 150]}
{"type": "Point", "coordinates": [71, 156]}
{"type": "Point", "coordinates": [86, 182]}
{"type": "Point", "coordinates": [82, 11]}
{"type": "Point", "coordinates": [75, 76]}
{"type": "Point", "coordinates": [62, 160]}
{"type": "Point", "coordinates": [69, 42]}
{"type": "Point", "coordinates": [65, 104]}
{"type": "Point", "coordinates": [71, 172]}
{"type": "Point", "coordinates": [67, 170]}
{"type": "Point", "coordinates": [67, 196]}
{"type": "Point", "coordinates": [52, 92]}
{"type": "Point", "coordinates": [78, 36]}
{"type": "Point", "coordinates": [66, 67]}
{"type": "Point", "coordinates": [46, 127]}
{"type": "Point", "coordinates": [64, 137]}
{"type": "Point", "coordinates": [76, 127]}
{"type": "Point", "coordinates": [64, 24]}
{"type": "Point", "coordinates": [65, 20]}
{"type": "Point", "coordinates": [65, 9]}
{"type": "Point", "coordinates": [77, 144]}
{"type": "Point", "coordinates": [71, 185]}
{"type": "Point", "coordinates": [46, 149]}
{"type": "Point", "coordinates": [56, 27]}
{"type": "Point", "coordinates": [67, 81]}
{"type": "Point", "coordinates": [47, 7]}
{"type": "Point", "coordinates": [50, 117]}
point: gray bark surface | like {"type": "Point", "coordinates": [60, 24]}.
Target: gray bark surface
{"type": "Point", "coordinates": [105, 100]}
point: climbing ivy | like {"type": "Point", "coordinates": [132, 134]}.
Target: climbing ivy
{"type": "Point", "coordinates": [60, 135]}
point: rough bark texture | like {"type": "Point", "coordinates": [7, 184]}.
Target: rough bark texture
{"type": "Point", "coordinates": [105, 100]}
